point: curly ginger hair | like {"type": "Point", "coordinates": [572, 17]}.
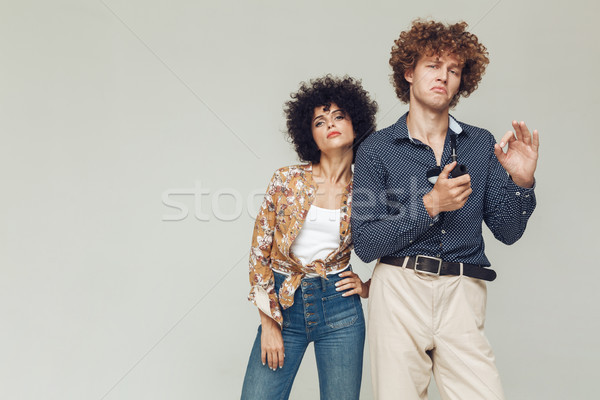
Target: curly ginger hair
{"type": "Point", "coordinates": [430, 38]}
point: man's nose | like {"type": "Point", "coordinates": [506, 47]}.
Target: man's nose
{"type": "Point", "coordinates": [443, 75]}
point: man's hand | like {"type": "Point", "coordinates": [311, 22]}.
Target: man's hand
{"type": "Point", "coordinates": [521, 158]}
{"type": "Point", "coordinates": [271, 342]}
{"type": "Point", "coordinates": [447, 194]}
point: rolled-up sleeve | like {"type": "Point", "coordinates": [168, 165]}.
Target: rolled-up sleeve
{"type": "Point", "coordinates": [262, 293]}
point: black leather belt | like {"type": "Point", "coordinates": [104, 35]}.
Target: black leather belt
{"type": "Point", "coordinates": [435, 266]}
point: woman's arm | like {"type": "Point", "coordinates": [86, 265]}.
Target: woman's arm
{"type": "Point", "coordinates": [271, 342]}
{"type": "Point", "coordinates": [262, 293]}
{"type": "Point", "coordinates": [353, 284]}
{"type": "Point", "coordinates": [261, 277]}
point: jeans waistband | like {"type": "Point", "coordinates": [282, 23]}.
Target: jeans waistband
{"type": "Point", "coordinates": [318, 281]}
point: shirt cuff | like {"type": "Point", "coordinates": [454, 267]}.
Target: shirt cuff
{"type": "Point", "coordinates": [266, 303]}
{"type": "Point", "coordinates": [522, 189]}
{"type": "Point", "coordinates": [422, 216]}
{"type": "Point", "coordinates": [517, 190]}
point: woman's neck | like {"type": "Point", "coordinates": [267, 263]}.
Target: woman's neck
{"type": "Point", "coordinates": [334, 169]}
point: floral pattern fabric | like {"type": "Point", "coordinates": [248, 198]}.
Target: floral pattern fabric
{"type": "Point", "coordinates": [289, 196]}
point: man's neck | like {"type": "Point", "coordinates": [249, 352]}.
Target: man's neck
{"type": "Point", "coordinates": [426, 125]}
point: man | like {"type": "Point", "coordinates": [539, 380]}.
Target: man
{"type": "Point", "coordinates": [420, 211]}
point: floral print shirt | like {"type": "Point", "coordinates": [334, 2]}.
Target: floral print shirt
{"type": "Point", "coordinates": [289, 196]}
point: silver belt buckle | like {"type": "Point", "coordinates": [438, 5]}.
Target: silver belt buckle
{"type": "Point", "coordinates": [439, 268]}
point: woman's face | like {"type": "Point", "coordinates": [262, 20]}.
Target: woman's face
{"type": "Point", "coordinates": [332, 128]}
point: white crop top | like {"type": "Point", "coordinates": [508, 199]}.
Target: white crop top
{"type": "Point", "coordinates": [319, 236]}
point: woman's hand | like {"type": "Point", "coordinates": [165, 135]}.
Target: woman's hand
{"type": "Point", "coordinates": [353, 285]}
{"type": "Point", "coordinates": [271, 342]}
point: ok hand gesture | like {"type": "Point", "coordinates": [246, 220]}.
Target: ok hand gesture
{"type": "Point", "coordinates": [521, 158]}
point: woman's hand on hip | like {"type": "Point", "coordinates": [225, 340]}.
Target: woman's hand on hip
{"type": "Point", "coordinates": [271, 343]}
{"type": "Point", "coordinates": [353, 285]}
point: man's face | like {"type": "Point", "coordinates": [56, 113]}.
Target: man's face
{"type": "Point", "coordinates": [434, 81]}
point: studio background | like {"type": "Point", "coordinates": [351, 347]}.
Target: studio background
{"type": "Point", "coordinates": [137, 138]}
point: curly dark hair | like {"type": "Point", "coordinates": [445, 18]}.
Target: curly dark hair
{"type": "Point", "coordinates": [429, 38]}
{"type": "Point", "coordinates": [346, 92]}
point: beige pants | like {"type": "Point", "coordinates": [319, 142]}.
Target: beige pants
{"type": "Point", "coordinates": [421, 323]}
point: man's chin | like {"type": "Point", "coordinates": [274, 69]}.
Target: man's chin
{"type": "Point", "coordinates": [440, 106]}
{"type": "Point", "coordinates": [437, 104]}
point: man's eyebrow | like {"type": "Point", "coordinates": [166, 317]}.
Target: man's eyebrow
{"type": "Point", "coordinates": [438, 61]}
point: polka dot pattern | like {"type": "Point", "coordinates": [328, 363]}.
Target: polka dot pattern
{"type": "Point", "coordinates": [388, 214]}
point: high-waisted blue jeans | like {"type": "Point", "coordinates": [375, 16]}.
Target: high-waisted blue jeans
{"type": "Point", "coordinates": [334, 323]}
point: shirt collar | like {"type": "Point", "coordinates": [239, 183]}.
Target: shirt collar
{"type": "Point", "coordinates": [400, 130]}
{"type": "Point", "coordinates": [454, 125]}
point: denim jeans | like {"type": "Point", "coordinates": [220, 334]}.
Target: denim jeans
{"type": "Point", "coordinates": [334, 323]}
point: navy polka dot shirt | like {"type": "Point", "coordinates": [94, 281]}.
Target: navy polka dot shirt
{"type": "Point", "coordinates": [388, 214]}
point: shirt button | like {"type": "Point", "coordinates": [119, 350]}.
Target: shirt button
{"type": "Point", "coordinates": [441, 245]}
{"type": "Point", "coordinates": [304, 284]}
{"type": "Point", "coordinates": [430, 224]}
{"type": "Point", "coordinates": [518, 193]}
{"type": "Point", "coordinates": [410, 241]}
{"type": "Point", "coordinates": [438, 255]}
{"type": "Point", "coordinates": [526, 195]}
{"type": "Point", "coordinates": [443, 232]}
{"type": "Point", "coordinates": [524, 212]}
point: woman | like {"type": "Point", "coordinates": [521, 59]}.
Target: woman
{"type": "Point", "coordinates": [301, 279]}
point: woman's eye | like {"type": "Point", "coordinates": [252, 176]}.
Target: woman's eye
{"type": "Point", "coordinates": [339, 117]}
{"type": "Point", "coordinates": [318, 124]}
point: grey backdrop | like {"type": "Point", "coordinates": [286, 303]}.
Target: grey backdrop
{"type": "Point", "coordinates": [110, 111]}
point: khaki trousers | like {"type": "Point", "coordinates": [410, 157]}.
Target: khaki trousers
{"type": "Point", "coordinates": [420, 323]}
